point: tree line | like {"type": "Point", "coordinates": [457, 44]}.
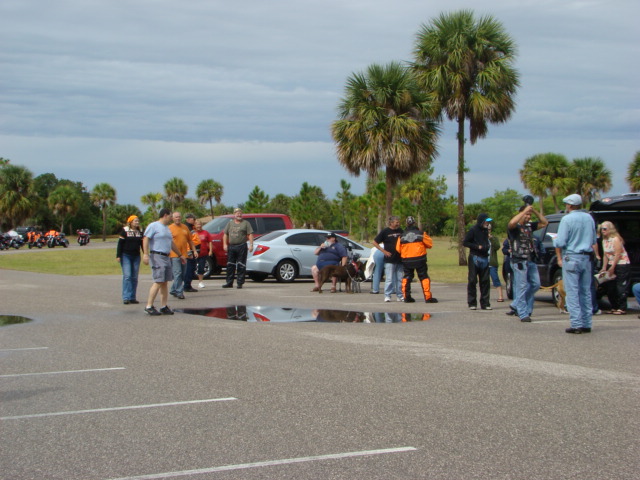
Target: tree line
{"type": "Point", "coordinates": [48, 202]}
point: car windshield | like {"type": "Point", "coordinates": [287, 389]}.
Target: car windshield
{"type": "Point", "coordinates": [217, 224]}
{"type": "Point", "coordinates": [272, 235]}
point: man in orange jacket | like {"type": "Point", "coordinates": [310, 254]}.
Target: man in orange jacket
{"type": "Point", "coordinates": [412, 246]}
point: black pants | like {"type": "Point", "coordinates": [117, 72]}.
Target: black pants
{"type": "Point", "coordinates": [617, 289]}
{"type": "Point", "coordinates": [190, 271]}
{"type": "Point", "coordinates": [478, 275]}
{"type": "Point", "coordinates": [236, 262]}
{"type": "Point", "coordinates": [419, 265]}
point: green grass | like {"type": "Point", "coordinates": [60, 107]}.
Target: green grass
{"type": "Point", "coordinates": [442, 260]}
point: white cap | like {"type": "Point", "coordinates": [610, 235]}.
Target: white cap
{"type": "Point", "coordinates": [573, 199]}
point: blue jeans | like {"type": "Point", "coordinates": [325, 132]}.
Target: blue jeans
{"type": "Point", "coordinates": [576, 275]}
{"type": "Point", "coordinates": [179, 271]}
{"type": "Point", "coordinates": [378, 260]}
{"type": "Point", "coordinates": [636, 292]}
{"type": "Point", "coordinates": [130, 268]}
{"type": "Point", "coordinates": [393, 279]}
{"type": "Point", "coordinates": [526, 282]}
{"type": "Point", "coordinates": [495, 278]}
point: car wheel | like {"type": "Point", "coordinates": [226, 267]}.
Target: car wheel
{"type": "Point", "coordinates": [257, 276]}
{"type": "Point", "coordinates": [286, 271]}
{"type": "Point", "coordinates": [557, 276]}
{"type": "Point", "coordinates": [508, 285]}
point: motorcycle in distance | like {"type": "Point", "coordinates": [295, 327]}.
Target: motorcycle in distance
{"type": "Point", "coordinates": [84, 236]}
{"type": "Point", "coordinates": [8, 241]}
{"type": "Point", "coordinates": [56, 239]}
{"type": "Point", "coordinates": [35, 239]}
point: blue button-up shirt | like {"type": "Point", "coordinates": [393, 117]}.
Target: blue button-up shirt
{"type": "Point", "coordinates": [576, 233]}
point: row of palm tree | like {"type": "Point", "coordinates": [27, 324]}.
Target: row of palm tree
{"type": "Point", "coordinates": [463, 68]}
{"type": "Point", "coordinates": [552, 175]}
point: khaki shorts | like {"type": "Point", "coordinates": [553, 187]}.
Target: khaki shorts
{"type": "Point", "coordinates": [161, 271]}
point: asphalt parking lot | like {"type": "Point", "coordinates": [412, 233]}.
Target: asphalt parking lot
{"type": "Point", "coordinates": [93, 389]}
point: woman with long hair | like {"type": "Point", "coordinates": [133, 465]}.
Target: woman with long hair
{"type": "Point", "coordinates": [616, 262]}
{"type": "Point", "coordinates": [128, 254]}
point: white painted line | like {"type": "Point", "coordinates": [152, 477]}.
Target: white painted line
{"type": "Point", "coordinates": [22, 349]}
{"type": "Point", "coordinates": [113, 409]}
{"type": "Point", "coordinates": [268, 463]}
{"type": "Point", "coordinates": [61, 372]}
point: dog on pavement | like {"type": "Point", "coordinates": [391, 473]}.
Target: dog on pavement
{"type": "Point", "coordinates": [562, 295]}
{"type": "Point", "coordinates": [349, 274]}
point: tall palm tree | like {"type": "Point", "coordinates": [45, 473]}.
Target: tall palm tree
{"type": "Point", "coordinates": [468, 64]}
{"type": "Point", "coordinates": [17, 195]}
{"type": "Point", "coordinates": [209, 190]}
{"type": "Point", "coordinates": [64, 201]}
{"type": "Point", "coordinates": [152, 199]}
{"type": "Point", "coordinates": [385, 121]}
{"type": "Point", "coordinates": [547, 174]}
{"type": "Point", "coordinates": [175, 191]}
{"type": "Point", "coordinates": [633, 174]}
{"type": "Point", "coordinates": [589, 177]}
{"type": "Point", "coordinates": [102, 196]}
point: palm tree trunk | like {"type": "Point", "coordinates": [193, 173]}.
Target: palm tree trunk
{"type": "Point", "coordinates": [389, 194]}
{"type": "Point", "coordinates": [462, 258]}
{"type": "Point", "coordinates": [211, 207]}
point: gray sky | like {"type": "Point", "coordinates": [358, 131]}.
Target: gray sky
{"type": "Point", "coordinates": [134, 92]}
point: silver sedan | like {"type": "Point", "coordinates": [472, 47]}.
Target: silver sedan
{"type": "Point", "coordinates": [290, 254]}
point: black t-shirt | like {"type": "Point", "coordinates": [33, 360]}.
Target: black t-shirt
{"type": "Point", "coordinates": [389, 237]}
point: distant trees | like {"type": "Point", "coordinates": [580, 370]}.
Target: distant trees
{"type": "Point", "coordinates": [209, 190]}
{"type": "Point", "coordinates": [468, 64]}
{"type": "Point", "coordinates": [103, 195]}
{"type": "Point", "coordinates": [633, 173]}
{"type": "Point", "coordinates": [175, 191]}
{"type": "Point", "coordinates": [16, 194]}
{"type": "Point", "coordinates": [64, 201]}
{"type": "Point", "coordinates": [258, 201]}
{"type": "Point", "coordinates": [552, 175]}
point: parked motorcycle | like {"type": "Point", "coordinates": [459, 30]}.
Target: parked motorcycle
{"type": "Point", "coordinates": [84, 236]}
{"type": "Point", "coordinates": [55, 239]}
{"type": "Point", "coordinates": [35, 239]}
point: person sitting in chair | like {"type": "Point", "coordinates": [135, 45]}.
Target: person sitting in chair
{"type": "Point", "coordinates": [329, 253]}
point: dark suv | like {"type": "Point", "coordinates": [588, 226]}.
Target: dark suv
{"type": "Point", "coordinates": [622, 210]}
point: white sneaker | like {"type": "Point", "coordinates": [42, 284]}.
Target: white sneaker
{"type": "Point", "coordinates": [400, 299]}
{"type": "Point", "coordinates": [201, 285]}
{"type": "Point", "coordinates": [387, 299]}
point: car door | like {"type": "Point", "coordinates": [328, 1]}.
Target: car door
{"type": "Point", "coordinates": [303, 246]}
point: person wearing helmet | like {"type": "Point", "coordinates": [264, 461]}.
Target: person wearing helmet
{"type": "Point", "coordinates": [412, 247]}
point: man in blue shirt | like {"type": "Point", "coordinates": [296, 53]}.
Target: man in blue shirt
{"type": "Point", "coordinates": [575, 245]}
{"type": "Point", "coordinates": [329, 253]}
{"type": "Point", "coordinates": [157, 243]}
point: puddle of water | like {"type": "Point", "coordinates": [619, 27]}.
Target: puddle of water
{"type": "Point", "coordinates": [254, 313]}
{"type": "Point", "coordinates": [12, 320]}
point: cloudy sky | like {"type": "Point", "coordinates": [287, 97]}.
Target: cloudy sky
{"type": "Point", "coordinates": [134, 92]}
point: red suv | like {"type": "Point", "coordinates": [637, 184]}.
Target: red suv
{"type": "Point", "coordinates": [261, 222]}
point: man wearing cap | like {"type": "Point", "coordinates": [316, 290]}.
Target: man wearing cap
{"type": "Point", "coordinates": [234, 242]}
{"type": "Point", "coordinates": [479, 245]}
{"type": "Point", "coordinates": [329, 253]}
{"type": "Point", "coordinates": [526, 279]}
{"type": "Point", "coordinates": [575, 245]}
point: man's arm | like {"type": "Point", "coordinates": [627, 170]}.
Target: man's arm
{"type": "Point", "coordinates": [542, 220]}
{"type": "Point", "coordinates": [145, 250]}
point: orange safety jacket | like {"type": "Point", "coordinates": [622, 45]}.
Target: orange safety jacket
{"type": "Point", "coordinates": [413, 244]}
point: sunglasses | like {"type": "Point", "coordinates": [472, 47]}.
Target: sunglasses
{"type": "Point", "coordinates": [604, 228]}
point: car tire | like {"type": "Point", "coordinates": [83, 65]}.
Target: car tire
{"type": "Point", "coordinates": [508, 285]}
{"type": "Point", "coordinates": [257, 276]}
{"type": "Point", "coordinates": [286, 271]}
{"type": "Point", "coordinates": [209, 267]}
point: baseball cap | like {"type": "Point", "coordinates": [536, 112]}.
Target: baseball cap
{"type": "Point", "coordinates": [331, 234]}
{"type": "Point", "coordinates": [573, 199]}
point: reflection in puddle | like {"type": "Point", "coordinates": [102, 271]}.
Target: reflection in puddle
{"type": "Point", "coordinates": [12, 319]}
{"type": "Point", "coordinates": [249, 313]}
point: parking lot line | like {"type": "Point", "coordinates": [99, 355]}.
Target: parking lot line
{"type": "Point", "coordinates": [113, 409]}
{"type": "Point", "coordinates": [268, 463]}
{"type": "Point", "coordinates": [62, 372]}
{"type": "Point", "coordinates": [22, 349]}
